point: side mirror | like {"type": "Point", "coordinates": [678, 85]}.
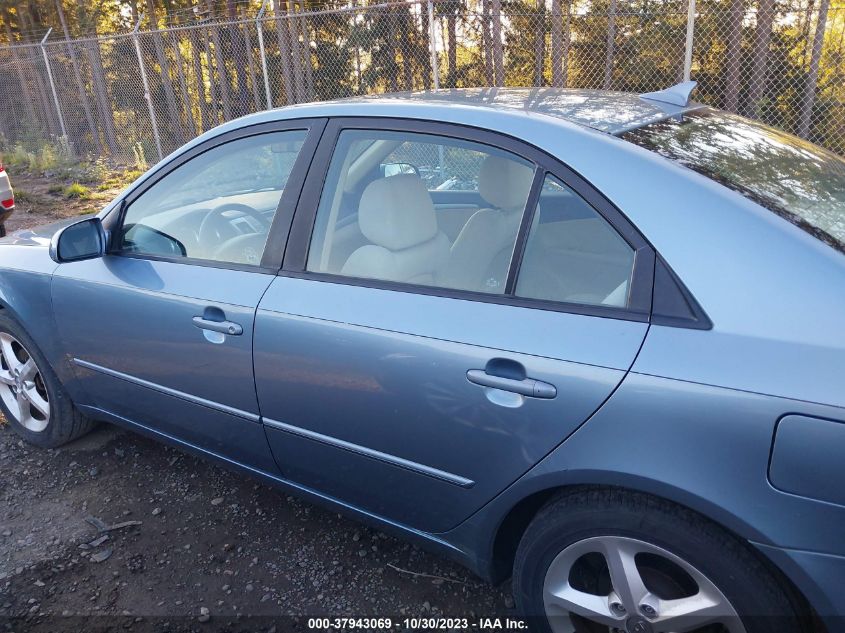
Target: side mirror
{"type": "Point", "coordinates": [394, 169]}
{"type": "Point", "coordinates": [85, 239]}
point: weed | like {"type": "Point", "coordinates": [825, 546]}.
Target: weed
{"type": "Point", "coordinates": [140, 157]}
{"type": "Point", "coordinates": [77, 191]}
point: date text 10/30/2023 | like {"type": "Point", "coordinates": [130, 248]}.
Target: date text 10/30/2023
{"type": "Point", "coordinates": [417, 624]}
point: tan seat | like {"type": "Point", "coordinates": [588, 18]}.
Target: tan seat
{"type": "Point", "coordinates": [480, 256]}
{"type": "Point", "coordinates": [397, 216]}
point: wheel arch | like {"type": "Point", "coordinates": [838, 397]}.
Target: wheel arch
{"type": "Point", "coordinates": [513, 523]}
{"type": "Point", "coordinates": [26, 299]}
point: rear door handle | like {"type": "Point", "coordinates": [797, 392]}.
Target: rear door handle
{"type": "Point", "coordinates": [527, 387]}
{"type": "Point", "coordinates": [224, 327]}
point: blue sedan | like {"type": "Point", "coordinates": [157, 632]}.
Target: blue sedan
{"type": "Point", "coordinates": [589, 341]}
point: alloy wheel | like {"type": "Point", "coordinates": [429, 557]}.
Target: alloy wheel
{"type": "Point", "coordinates": [22, 387]}
{"type": "Point", "coordinates": [614, 584]}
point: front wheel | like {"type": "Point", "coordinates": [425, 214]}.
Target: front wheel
{"type": "Point", "coordinates": [616, 562]}
{"type": "Point", "coordinates": [31, 397]}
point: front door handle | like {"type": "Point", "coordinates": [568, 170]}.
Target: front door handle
{"type": "Point", "coordinates": [224, 327]}
{"type": "Point", "coordinates": [526, 387]}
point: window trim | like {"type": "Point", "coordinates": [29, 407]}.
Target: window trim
{"type": "Point", "coordinates": [301, 230]}
{"type": "Point", "coordinates": [273, 254]}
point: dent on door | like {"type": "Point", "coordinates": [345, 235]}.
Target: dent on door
{"type": "Point", "coordinates": [422, 408]}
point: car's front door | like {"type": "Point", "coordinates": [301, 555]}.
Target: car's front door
{"type": "Point", "coordinates": [416, 376]}
{"type": "Point", "coordinates": [160, 329]}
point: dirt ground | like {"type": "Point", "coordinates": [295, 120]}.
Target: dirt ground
{"type": "Point", "coordinates": [205, 539]}
{"type": "Point", "coordinates": [36, 204]}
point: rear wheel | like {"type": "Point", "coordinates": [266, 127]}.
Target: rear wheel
{"type": "Point", "coordinates": [31, 397]}
{"type": "Point", "coordinates": [615, 562]}
{"type": "Point", "coordinates": [2, 230]}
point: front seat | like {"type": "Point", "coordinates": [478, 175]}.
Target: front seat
{"type": "Point", "coordinates": [481, 254]}
{"type": "Point", "coordinates": [397, 216]}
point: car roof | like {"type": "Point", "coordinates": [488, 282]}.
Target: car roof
{"type": "Point", "coordinates": [603, 110]}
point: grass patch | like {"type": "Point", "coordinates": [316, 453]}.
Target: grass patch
{"type": "Point", "coordinates": [44, 157]}
{"type": "Point", "coordinates": [22, 195]}
{"type": "Point", "coordinates": [77, 191]}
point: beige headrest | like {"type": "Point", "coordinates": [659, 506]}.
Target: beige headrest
{"type": "Point", "coordinates": [504, 183]}
{"type": "Point", "coordinates": [397, 212]}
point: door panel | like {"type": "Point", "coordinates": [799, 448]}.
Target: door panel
{"type": "Point", "coordinates": [129, 326]}
{"type": "Point", "coordinates": [365, 393]}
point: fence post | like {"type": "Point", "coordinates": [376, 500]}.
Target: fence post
{"type": "Point", "coordinates": [147, 96]}
{"type": "Point", "coordinates": [435, 65]}
{"type": "Point", "coordinates": [53, 86]}
{"type": "Point", "coordinates": [260, 28]}
{"type": "Point", "coordinates": [690, 40]}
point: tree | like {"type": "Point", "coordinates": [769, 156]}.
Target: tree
{"type": "Point", "coordinates": [611, 45]}
{"type": "Point", "coordinates": [540, 43]}
{"type": "Point", "coordinates": [199, 79]}
{"type": "Point", "coordinates": [452, 57]}
{"type": "Point", "coordinates": [306, 54]}
{"type": "Point", "coordinates": [283, 37]}
{"type": "Point", "coordinates": [164, 73]}
{"type": "Point", "coordinates": [498, 52]}
{"type": "Point", "coordinates": [760, 56]}
{"type": "Point", "coordinates": [238, 58]}
{"type": "Point", "coordinates": [733, 55]}
{"type": "Point", "coordinates": [486, 43]}
{"type": "Point", "coordinates": [425, 50]}
{"type": "Point", "coordinates": [560, 45]}
{"type": "Point", "coordinates": [406, 29]}
{"type": "Point", "coordinates": [28, 23]}
{"type": "Point", "coordinates": [80, 85]}
{"type": "Point", "coordinates": [17, 62]}
{"type": "Point", "coordinates": [809, 94]}
{"type": "Point", "coordinates": [224, 91]}
{"type": "Point", "coordinates": [251, 62]}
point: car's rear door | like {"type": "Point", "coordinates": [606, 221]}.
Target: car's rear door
{"type": "Point", "coordinates": [418, 398]}
{"type": "Point", "coordinates": [160, 329]}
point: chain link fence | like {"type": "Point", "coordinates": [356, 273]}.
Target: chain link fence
{"type": "Point", "coordinates": [137, 96]}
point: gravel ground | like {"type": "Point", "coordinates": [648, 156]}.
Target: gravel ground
{"type": "Point", "coordinates": [211, 548]}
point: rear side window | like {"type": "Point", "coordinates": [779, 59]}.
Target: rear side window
{"type": "Point", "coordinates": [573, 254]}
{"type": "Point", "coordinates": [799, 181]}
{"type": "Point", "coordinates": [377, 218]}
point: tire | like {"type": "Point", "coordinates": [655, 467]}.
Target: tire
{"type": "Point", "coordinates": [63, 423]}
{"type": "Point", "coordinates": [2, 230]}
{"type": "Point", "coordinates": [672, 546]}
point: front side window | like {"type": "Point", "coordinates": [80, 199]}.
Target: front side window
{"type": "Point", "coordinates": [218, 206]}
{"type": "Point", "coordinates": [377, 220]}
{"type": "Point", "coordinates": [799, 181]}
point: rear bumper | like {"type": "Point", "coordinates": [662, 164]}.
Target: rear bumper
{"type": "Point", "coordinates": [820, 577]}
